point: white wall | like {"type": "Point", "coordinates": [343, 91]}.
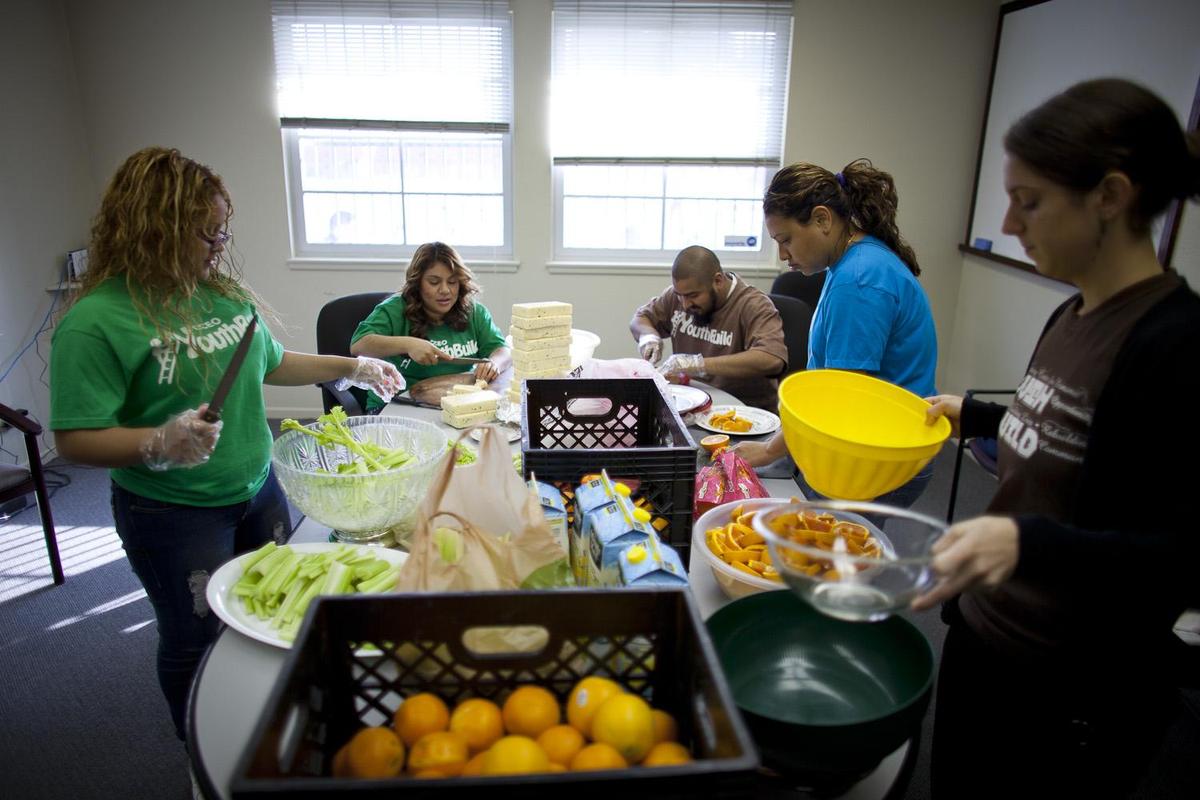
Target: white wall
{"type": "Point", "coordinates": [46, 194]}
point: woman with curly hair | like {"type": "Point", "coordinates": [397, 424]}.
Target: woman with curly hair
{"type": "Point", "coordinates": [872, 316]}
{"type": "Point", "coordinates": [134, 361]}
{"type": "Point", "coordinates": [433, 319]}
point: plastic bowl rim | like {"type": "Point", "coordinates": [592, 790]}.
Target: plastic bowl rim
{"type": "Point", "coordinates": [852, 507]}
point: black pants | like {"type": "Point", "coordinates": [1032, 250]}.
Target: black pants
{"type": "Point", "coordinates": [997, 725]}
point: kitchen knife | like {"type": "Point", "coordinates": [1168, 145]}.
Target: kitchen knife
{"type": "Point", "coordinates": [213, 412]}
{"type": "Point", "coordinates": [468, 361]}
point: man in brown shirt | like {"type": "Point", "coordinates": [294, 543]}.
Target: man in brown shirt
{"type": "Point", "coordinates": [722, 330]}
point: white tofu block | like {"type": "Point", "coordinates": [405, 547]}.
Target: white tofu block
{"type": "Point", "coordinates": [470, 403]}
{"type": "Point", "coordinates": [468, 388]}
{"type": "Point", "coordinates": [527, 367]}
{"type": "Point", "coordinates": [536, 345]}
{"type": "Point", "coordinates": [522, 358]}
{"type": "Point", "coordinates": [550, 308]}
{"type": "Point", "coordinates": [538, 323]}
{"type": "Point", "coordinates": [520, 335]}
{"type": "Point", "coordinates": [554, 372]}
{"type": "Point", "coordinates": [467, 420]}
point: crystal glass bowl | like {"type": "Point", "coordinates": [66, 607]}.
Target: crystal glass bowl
{"type": "Point", "coordinates": [851, 560]}
{"type": "Point", "coordinates": [856, 437]}
{"type": "Point", "coordinates": [361, 508]}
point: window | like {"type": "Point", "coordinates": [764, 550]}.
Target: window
{"type": "Point", "coordinates": [396, 125]}
{"type": "Point", "coordinates": [667, 124]}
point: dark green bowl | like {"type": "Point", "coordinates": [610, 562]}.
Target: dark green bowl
{"type": "Point", "coordinates": [822, 697]}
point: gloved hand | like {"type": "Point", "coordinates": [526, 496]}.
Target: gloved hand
{"type": "Point", "coordinates": [650, 346]}
{"type": "Point", "coordinates": [184, 440]}
{"type": "Point", "coordinates": [690, 364]}
{"type": "Point", "coordinates": [380, 376]}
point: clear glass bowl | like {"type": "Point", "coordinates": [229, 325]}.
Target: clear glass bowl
{"type": "Point", "coordinates": [361, 508]}
{"type": "Point", "coordinates": [863, 571]}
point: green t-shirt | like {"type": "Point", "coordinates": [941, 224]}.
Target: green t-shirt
{"type": "Point", "coordinates": [479, 339]}
{"type": "Point", "coordinates": [108, 368]}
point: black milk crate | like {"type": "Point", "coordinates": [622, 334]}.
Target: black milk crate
{"type": "Point", "coordinates": [356, 658]}
{"type": "Point", "coordinates": [579, 426]}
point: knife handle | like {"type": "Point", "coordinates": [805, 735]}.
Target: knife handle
{"type": "Point", "coordinates": [210, 416]}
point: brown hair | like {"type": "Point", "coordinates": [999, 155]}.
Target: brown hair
{"type": "Point", "coordinates": [1095, 127]}
{"type": "Point", "coordinates": [154, 209]}
{"type": "Point", "coordinates": [427, 256]}
{"type": "Point", "coordinates": [861, 194]}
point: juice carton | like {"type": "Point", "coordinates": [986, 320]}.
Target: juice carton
{"type": "Point", "coordinates": [651, 564]}
{"type": "Point", "coordinates": [554, 509]}
{"type": "Point", "coordinates": [612, 528]}
{"type": "Point", "coordinates": [591, 495]}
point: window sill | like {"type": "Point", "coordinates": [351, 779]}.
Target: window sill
{"type": "Point", "coordinates": [645, 268]}
{"type": "Point", "coordinates": [390, 265]}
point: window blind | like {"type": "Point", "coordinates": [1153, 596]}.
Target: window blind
{"type": "Point", "coordinates": [409, 65]}
{"type": "Point", "coordinates": [669, 82]}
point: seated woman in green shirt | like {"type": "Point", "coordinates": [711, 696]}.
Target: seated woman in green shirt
{"type": "Point", "coordinates": [431, 320]}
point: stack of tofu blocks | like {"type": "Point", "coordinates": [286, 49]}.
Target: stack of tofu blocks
{"type": "Point", "coordinates": [467, 405]}
{"type": "Point", "coordinates": [541, 335]}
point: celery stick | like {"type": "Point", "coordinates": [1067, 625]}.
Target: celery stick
{"type": "Point", "coordinates": [337, 581]}
{"type": "Point", "coordinates": [295, 592]}
{"type": "Point", "coordinates": [275, 581]}
{"type": "Point", "coordinates": [253, 558]}
{"type": "Point", "coordinates": [370, 569]}
{"type": "Point", "coordinates": [272, 559]}
{"type": "Point", "coordinates": [384, 581]}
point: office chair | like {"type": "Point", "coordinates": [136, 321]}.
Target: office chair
{"type": "Point", "coordinates": [19, 481]}
{"type": "Point", "coordinates": [803, 287]}
{"type": "Point", "coordinates": [335, 325]}
{"type": "Point", "coordinates": [982, 450]}
{"type": "Point", "coordinates": [797, 318]}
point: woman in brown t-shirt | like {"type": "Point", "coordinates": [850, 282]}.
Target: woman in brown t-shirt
{"type": "Point", "coordinates": [1057, 667]}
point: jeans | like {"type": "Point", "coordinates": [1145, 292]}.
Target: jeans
{"type": "Point", "coordinates": [902, 497]}
{"type": "Point", "coordinates": [173, 550]}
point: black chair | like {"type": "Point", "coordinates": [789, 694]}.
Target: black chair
{"type": "Point", "coordinates": [335, 325]}
{"type": "Point", "coordinates": [982, 450]}
{"type": "Point", "coordinates": [19, 481]}
{"type": "Point", "coordinates": [803, 287]}
{"type": "Point", "coordinates": [797, 317]}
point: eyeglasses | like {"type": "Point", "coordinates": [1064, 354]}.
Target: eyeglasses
{"type": "Point", "coordinates": [217, 239]}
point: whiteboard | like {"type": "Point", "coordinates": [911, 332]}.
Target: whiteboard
{"type": "Point", "coordinates": [1045, 48]}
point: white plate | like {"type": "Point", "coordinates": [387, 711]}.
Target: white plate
{"type": "Point", "coordinates": [230, 609]}
{"type": "Point", "coordinates": [688, 398]}
{"type": "Point", "coordinates": [760, 421]}
{"type": "Point", "coordinates": [511, 434]}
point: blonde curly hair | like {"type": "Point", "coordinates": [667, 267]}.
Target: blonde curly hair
{"type": "Point", "coordinates": [156, 207]}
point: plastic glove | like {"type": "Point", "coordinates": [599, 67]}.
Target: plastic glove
{"type": "Point", "coordinates": [184, 440]}
{"type": "Point", "coordinates": [380, 376]}
{"type": "Point", "coordinates": [650, 346]}
{"type": "Point", "coordinates": [690, 364]}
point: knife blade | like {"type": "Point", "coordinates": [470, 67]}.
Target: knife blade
{"type": "Point", "coordinates": [213, 412]}
{"type": "Point", "coordinates": [461, 361]}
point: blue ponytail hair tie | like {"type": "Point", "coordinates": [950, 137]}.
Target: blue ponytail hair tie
{"type": "Point", "coordinates": [841, 179]}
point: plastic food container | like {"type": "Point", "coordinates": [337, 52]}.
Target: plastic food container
{"type": "Point", "coordinates": [856, 437]}
{"type": "Point", "coordinates": [734, 582]}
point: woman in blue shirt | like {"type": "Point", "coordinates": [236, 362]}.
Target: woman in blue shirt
{"type": "Point", "coordinates": [873, 316]}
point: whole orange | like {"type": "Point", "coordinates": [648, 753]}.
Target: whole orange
{"type": "Point", "coordinates": [375, 753]}
{"type": "Point", "coordinates": [598, 756]}
{"type": "Point", "coordinates": [666, 753]}
{"type": "Point", "coordinates": [444, 752]}
{"type": "Point", "coordinates": [626, 723]}
{"type": "Point", "coordinates": [420, 714]}
{"type": "Point", "coordinates": [665, 729]}
{"type": "Point", "coordinates": [479, 721]}
{"type": "Point", "coordinates": [529, 710]}
{"type": "Point", "coordinates": [474, 766]}
{"type": "Point", "coordinates": [340, 768]}
{"type": "Point", "coordinates": [585, 698]}
{"type": "Point", "coordinates": [515, 755]}
{"type": "Point", "coordinates": [561, 743]}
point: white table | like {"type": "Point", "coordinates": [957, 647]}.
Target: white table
{"type": "Point", "coordinates": [238, 673]}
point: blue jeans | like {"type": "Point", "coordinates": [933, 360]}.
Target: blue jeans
{"type": "Point", "coordinates": [902, 497]}
{"type": "Point", "coordinates": [173, 550]}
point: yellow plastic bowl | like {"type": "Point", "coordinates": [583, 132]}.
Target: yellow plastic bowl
{"type": "Point", "coordinates": [853, 436]}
